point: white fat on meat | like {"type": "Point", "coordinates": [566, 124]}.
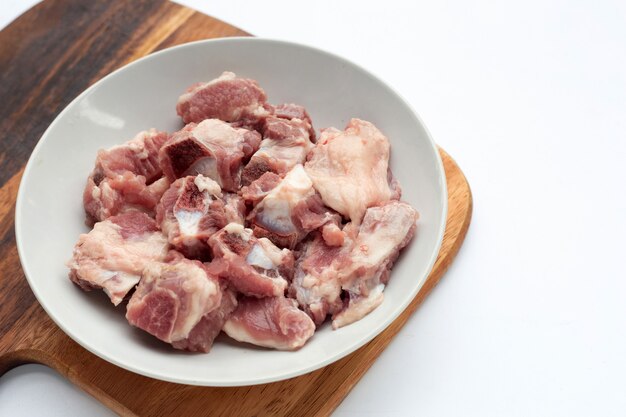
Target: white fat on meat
{"type": "Point", "coordinates": [114, 253]}
{"type": "Point", "coordinates": [272, 322]}
{"type": "Point", "coordinates": [291, 154]}
{"type": "Point", "coordinates": [350, 169]}
{"type": "Point", "coordinates": [274, 211]}
{"type": "Point", "coordinates": [207, 185]}
{"type": "Point", "coordinates": [214, 132]}
{"type": "Point", "coordinates": [359, 307]}
{"type": "Point", "coordinates": [238, 229]}
{"type": "Point", "coordinates": [290, 210]}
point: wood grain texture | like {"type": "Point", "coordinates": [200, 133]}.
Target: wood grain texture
{"type": "Point", "coordinates": [47, 57]}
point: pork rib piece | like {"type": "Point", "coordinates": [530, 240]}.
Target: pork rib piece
{"type": "Point", "coordinates": [259, 188]}
{"type": "Point", "coordinates": [192, 210]}
{"type": "Point", "coordinates": [126, 177]}
{"type": "Point", "coordinates": [315, 284]}
{"type": "Point", "coordinates": [212, 148]}
{"type": "Point", "coordinates": [227, 98]}
{"type": "Point", "coordinates": [289, 211]}
{"type": "Point", "coordinates": [252, 266]}
{"type": "Point", "coordinates": [180, 303]}
{"type": "Point", "coordinates": [350, 169]}
{"type": "Point", "coordinates": [285, 144]}
{"type": "Point", "coordinates": [114, 253]}
{"type": "Point", "coordinates": [364, 271]}
{"type": "Point", "coordinates": [294, 111]}
{"type": "Point", "coordinates": [347, 281]}
{"type": "Point", "coordinates": [273, 322]}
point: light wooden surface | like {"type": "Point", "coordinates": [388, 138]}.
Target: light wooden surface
{"type": "Point", "coordinates": [48, 56]}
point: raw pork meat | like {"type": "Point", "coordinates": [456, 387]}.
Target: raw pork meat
{"type": "Point", "coordinates": [180, 303]}
{"type": "Point", "coordinates": [227, 98]}
{"type": "Point", "coordinates": [285, 144]}
{"type": "Point", "coordinates": [192, 210]}
{"type": "Point", "coordinates": [252, 266]}
{"type": "Point", "coordinates": [238, 162]}
{"type": "Point", "coordinates": [364, 271]}
{"type": "Point", "coordinates": [212, 148]}
{"type": "Point", "coordinates": [259, 188]}
{"type": "Point", "coordinates": [294, 111]}
{"type": "Point", "coordinates": [315, 284]}
{"type": "Point", "coordinates": [113, 254]}
{"type": "Point", "coordinates": [358, 270]}
{"type": "Point", "coordinates": [291, 111]}
{"type": "Point", "coordinates": [350, 169]}
{"type": "Point", "coordinates": [273, 322]}
{"type": "Point", "coordinates": [291, 210]}
{"type": "Point", "coordinates": [126, 177]}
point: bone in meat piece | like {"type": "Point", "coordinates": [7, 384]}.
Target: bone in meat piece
{"type": "Point", "coordinates": [315, 284]}
{"type": "Point", "coordinates": [252, 266]}
{"type": "Point", "coordinates": [201, 337]}
{"type": "Point", "coordinates": [192, 210]}
{"type": "Point", "coordinates": [114, 253]}
{"type": "Point", "coordinates": [285, 143]}
{"type": "Point", "coordinates": [290, 210]}
{"type": "Point", "coordinates": [227, 98]}
{"type": "Point", "coordinates": [259, 188]}
{"type": "Point", "coordinates": [126, 177]}
{"type": "Point", "coordinates": [212, 148]}
{"type": "Point", "coordinates": [273, 322]}
{"type": "Point", "coordinates": [364, 271]}
{"type": "Point", "coordinates": [294, 111]}
{"type": "Point", "coordinates": [180, 303]}
{"type": "Point", "coordinates": [350, 169]}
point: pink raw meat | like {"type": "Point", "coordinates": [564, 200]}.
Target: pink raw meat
{"type": "Point", "coordinates": [113, 254]}
{"type": "Point", "coordinates": [285, 144]}
{"type": "Point", "coordinates": [315, 284]}
{"type": "Point", "coordinates": [347, 281]}
{"type": "Point", "coordinates": [212, 148]}
{"type": "Point", "coordinates": [259, 188]}
{"type": "Point", "coordinates": [180, 303]}
{"type": "Point", "coordinates": [192, 210]}
{"type": "Point", "coordinates": [126, 177]}
{"type": "Point", "coordinates": [227, 98]}
{"type": "Point", "coordinates": [252, 266]}
{"type": "Point", "coordinates": [273, 322]}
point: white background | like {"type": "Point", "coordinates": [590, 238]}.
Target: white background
{"type": "Point", "coordinates": [530, 98]}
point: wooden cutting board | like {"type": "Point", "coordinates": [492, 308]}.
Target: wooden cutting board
{"type": "Point", "coordinates": [47, 57]}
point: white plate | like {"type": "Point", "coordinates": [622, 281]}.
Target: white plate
{"type": "Point", "coordinates": [49, 213]}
